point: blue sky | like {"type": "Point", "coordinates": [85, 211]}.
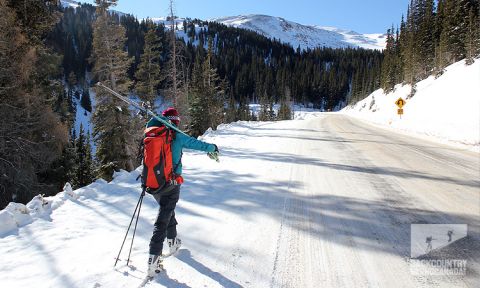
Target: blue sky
{"type": "Point", "coordinates": [364, 16]}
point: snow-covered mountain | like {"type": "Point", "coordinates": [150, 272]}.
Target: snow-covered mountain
{"type": "Point", "coordinates": [69, 3]}
{"type": "Point", "coordinates": [304, 36]}
{"type": "Point", "coordinates": [74, 4]}
{"type": "Point", "coordinates": [295, 34]}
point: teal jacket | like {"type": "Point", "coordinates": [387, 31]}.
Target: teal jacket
{"type": "Point", "coordinates": [182, 141]}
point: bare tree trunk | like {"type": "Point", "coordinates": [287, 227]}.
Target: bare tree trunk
{"type": "Point", "coordinates": [174, 54]}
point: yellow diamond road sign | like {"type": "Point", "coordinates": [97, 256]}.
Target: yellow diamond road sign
{"type": "Point", "coordinates": [400, 102]}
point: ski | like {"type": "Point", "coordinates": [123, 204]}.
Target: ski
{"type": "Point", "coordinates": [148, 278]}
{"type": "Point", "coordinates": [165, 256]}
{"type": "Point", "coordinates": [139, 107]}
{"type": "Point", "coordinates": [145, 281]}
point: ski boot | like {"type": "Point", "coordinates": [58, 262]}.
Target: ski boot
{"type": "Point", "coordinates": [173, 245]}
{"type": "Point", "coordinates": [155, 265]}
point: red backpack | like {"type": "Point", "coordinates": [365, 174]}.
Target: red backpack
{"type": "Point", "coordinates": [158, 171]}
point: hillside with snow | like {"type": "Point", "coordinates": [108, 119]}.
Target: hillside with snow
{"type": "Point", "coordinates": [446, 108]}
{"type": "Point", "coordinates": [294, 34]}
{"type": "Point", "coordinates": [304, 36]}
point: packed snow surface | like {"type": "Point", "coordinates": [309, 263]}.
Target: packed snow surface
{"type": "Point", "coordinates": [446, 108]}
{"type": "Point", "coordinates": [320, 201]}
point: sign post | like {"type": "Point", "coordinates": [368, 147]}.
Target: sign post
{"type": "Point", "coordinates": [400, 103]}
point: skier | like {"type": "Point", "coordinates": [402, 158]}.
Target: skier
{"type": "Point", "coordinates": [165, 225]}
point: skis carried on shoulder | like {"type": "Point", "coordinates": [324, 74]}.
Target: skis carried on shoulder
{"type": "Point", "coordinates": [139, 107]}
{"type": "Point", "coordinates": [212, 155]}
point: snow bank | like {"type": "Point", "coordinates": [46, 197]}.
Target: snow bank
{"type": "Point", "coordinates": [447, 108]}
{"type": "Point", "coordinates": [8, 223]}
{"type": "Point", "coordinates": [17, 215]}
{"type": "Point", "coordinates": [300, 112]}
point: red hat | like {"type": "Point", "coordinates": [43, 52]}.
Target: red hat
{"type": "Point", "coordinates": [172, 115]}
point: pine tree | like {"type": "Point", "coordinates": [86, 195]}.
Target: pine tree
{"type": "Point", "coordinates": [243, 112]}
{"type": "Point", "coordinates": [389, 65]}
{"type": "Point", "coordinates": [454, 30]}
{"type": "Point", "coordinates": [63, 168]}
{"type": "Point", "coordinates": [214, 89]}
{"type": "Point", "coordinates": [71, 104]}
{"type": "Point", "coordinates": [149, 72]}
{"type": "Point", "coordinates": [177, 85]}
{"type": "Point", "coordinates": [440, 38]}
{"type": "Point", "coordinates": [231, 111]}
{"type": "Point", "coordinates": [408, 47]}
{"type": "Point", "coordinates": [472, 41]}
{"type": "Point", "coordinates": [35, 17]}
{"type": "Point", "coordinates": [265, 104]}
{"type": "Point", "coordinates": [72, 79]}
{"type": "Point", "coordinates": [426, 42]}
{"type": "Point", "coordinates": [83, 172]}
{"type": "Point", "coordinates": [198, 106]}
{"type": "Point", "coordinates": [207, 95]}
{"type": "Point", "coordinates": [285, 112]}
{"type": "Point", "coordinates": [398, 57]}
{"type": "Point", "coordinates": [113, 131]}
{"type": "Point", "coordinates": [174, 74]}
{"type": "Point", "coordinates": [33, 137]}
{"type": "Point", "coordinates": [85, 101]}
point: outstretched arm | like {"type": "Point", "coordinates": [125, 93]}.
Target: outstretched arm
{"type": "Point", "coordinates": [192, 143]}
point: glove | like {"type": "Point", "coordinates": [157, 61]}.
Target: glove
{"type": "Point", "coordinates": [179, 180]}
{"type": "Point", "coordinates": [214, 155]}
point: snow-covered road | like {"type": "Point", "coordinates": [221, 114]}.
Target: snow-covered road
{"type": "Point", "coordinates": [324, 202]}
{"type": "Point", "coordinates": [355, 191]}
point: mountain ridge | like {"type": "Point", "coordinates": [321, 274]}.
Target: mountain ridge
{"type": "Point", "coordinates": [289, 32]}
{"type": "Point", "coordinates": [303, 36]}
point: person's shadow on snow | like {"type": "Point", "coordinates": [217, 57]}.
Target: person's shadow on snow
{"type": "Point", "coordinates": [185, 256]}
{"type": "Point", "coordinates": [168, 282]}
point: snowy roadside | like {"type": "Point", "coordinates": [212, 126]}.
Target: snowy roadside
{"type": "Point", "coordinates": [71, 239]}
{"type": "Point", "coordinates": [17, 215]}
{"type": "Point", "coordinates": [445, 110]}
{"type": "Point", "coordinates": [316, 195]}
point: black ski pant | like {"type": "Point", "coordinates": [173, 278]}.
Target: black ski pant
{"type": "Point", "coordinates": [166, 224]}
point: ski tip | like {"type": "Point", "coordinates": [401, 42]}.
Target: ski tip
{"type": "Point", "coordinates": [145, 281]}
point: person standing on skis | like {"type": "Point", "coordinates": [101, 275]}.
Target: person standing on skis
{"type": "Point", "coordinates": [166, 223]}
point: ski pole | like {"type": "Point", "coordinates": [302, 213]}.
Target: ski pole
{"type": "Point", "coordinates": [126, 234]}
{"type": "Point", "coordinates": [135, 228]}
